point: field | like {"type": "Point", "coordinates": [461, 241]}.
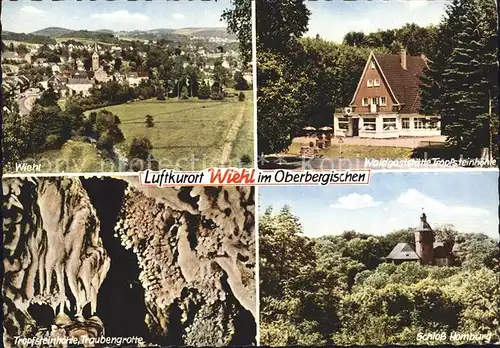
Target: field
{"type": "Point", "coordinates": [74, 156]}
{"type": "Point", "coordinates": [190, 134]}
{"type": "Point", "coordinates": [187, 135]}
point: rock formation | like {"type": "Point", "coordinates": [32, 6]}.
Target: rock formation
{"type": "Point", "coordinates": [51, 231]}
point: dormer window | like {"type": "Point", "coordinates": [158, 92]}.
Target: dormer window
{"type": "Point", "coordinates": [372, 64]}
{"type": "Point", "coordinates": [376, 82]}
{"type": "Point", "coordinates": [369, 83]}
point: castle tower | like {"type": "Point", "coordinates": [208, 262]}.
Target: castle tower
{"type": "Point", "coordinates": [95, 57]}
{"type": "Point", "coordinates": [424, 241]}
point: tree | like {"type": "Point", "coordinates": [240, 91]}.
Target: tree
{"type": "Point", "coordinates": [140, 148]}
{"type": "Point", "coordinates": [43, 122]}
{"type": "Point", "coordinates": [204, 91]}
{"type": "Point", "coordinates": [15, 137]}
{"type": "Point", "coordinates": [465, 98]}
{"type": "Point", "coordinates": [220, 75]}
{"type": "Point", "coordinates": [354, 38]}
{"type": "Point", "coordinates": [461, 82]}
{"type": "Point", "coordinates": [149, 121]}
{"type": "Point", "coordinates": [240, 83]}
{"type": "Point", "coordinates": [22, 49]}
{"type": "Point", "coordinates": [139, 154]}
{"type": "Point", "coordinates": [280, 23]}
{"type": "Point", "coordinates": [118, 64]}
{"type": "Point", "coordinates": [49, 97]}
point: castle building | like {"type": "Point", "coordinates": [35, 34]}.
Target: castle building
{"type": "Point", "coordinates": [427, 251]}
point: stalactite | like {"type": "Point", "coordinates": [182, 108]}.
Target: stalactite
{"type": "Point", "coordinates": [51, 230]}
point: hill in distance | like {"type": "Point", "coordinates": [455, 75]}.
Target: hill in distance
{"type": "Point", "coordinates": [152, 34]}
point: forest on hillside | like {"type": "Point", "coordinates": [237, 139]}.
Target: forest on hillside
{"type": "Point", "coordinates": [339, 289]}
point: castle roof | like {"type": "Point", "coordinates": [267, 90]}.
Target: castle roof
{"type": "Point", "coordinates": [403, 251]}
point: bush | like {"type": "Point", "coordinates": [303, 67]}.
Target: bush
{"type": "Point", "coordinates": [184, 92]}
{"type": "Point", "coordinates": [116, 134]}
{"type": "Point", "coordinates": [149, 121]}
{"type": "Point", "coordinates": [161, 96]}
{"type": "Point", "coordinates": [241, 96]}
{"type": "Point", "coordinates": [117, 120]}
{"type": "Point", "coordinates": [216, 96]}
{"type": "Point", "coordinates": [204, 92]}
{"type": "Point", "coordinates": [105, 142]}
{"type": "Point", "coordinates": [53, 142]}
{"type": "Point", "coordinates": [140, 148]}
{"type": "Point", "coordinates": [93, 116]}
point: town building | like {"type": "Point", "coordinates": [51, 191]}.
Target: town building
{"type": "Point", "coordinates": [427, 250]}
{"type": "Point", "coordinates": [386, 103]}
{"type": "Point", "coordinates": [79, 86]}
{"type": "Point", "coordinates": [135, 78]}
{"type": "Point", "coordinates": [58, 83]}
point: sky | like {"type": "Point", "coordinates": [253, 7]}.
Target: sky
{"type": "Point", "coordinates": [28, 16]}
{"type": "Point", "coordinates": [333, 19]}
{"type": "Point", "coordinates": [392, 201]}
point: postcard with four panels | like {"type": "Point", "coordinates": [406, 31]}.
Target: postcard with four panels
{"type": "Point", "coordinates": [239, 173]}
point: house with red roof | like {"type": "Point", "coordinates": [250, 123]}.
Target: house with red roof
{"type": "Point", "coordinates": [386, 102]}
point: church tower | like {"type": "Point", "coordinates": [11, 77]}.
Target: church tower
{"type": "Point", "coordinates": [424, 241]}
{"type": "Point", "coordinates": [95, 57]}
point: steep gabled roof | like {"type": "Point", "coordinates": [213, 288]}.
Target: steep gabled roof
{"type": "Point", "coordinates": [403, 251]}
{"type": "Point", "coordinates": [370, 57]}
{"type": "Point", "coordinates": [403, 82]}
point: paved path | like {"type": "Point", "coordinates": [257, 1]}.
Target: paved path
{"type": "Point", "coordinates": [231, 137]}
{"type": "Point", "coordinates": [410, 142]}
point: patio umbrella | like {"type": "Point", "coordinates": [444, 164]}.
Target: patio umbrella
{"type": "Point", "coordinates": [309, 128]}
{"type": "Point", "coordinates": [326, 128]}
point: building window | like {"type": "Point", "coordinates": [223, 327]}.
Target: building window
{"type": "Point", "coordinates": [374, 101]}
{"type": "Point", "coordinates": [370, 124]}
{"type": "Point", "coordinates": [405, 123]}
{"type": "Point", "coordinates": [364, 102]}
{"type": "Point", "coordinates": [383, 101]}
{"type": "Point", "coordinates": [343, 123]}
{"type": "Point", "coordinates": [372, 64]}
{"type": "Point", "coordinates": [369, 83]}
{"type": "Point", "coordinates": [418, 123]}
{"type": "Point", "coordinates": [376, 82]}
{"type": "Point", "coordinates": [389, 124]}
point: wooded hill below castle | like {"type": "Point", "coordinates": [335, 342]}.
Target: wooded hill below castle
{"type": "Point", "coordinates": [345, 290]}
